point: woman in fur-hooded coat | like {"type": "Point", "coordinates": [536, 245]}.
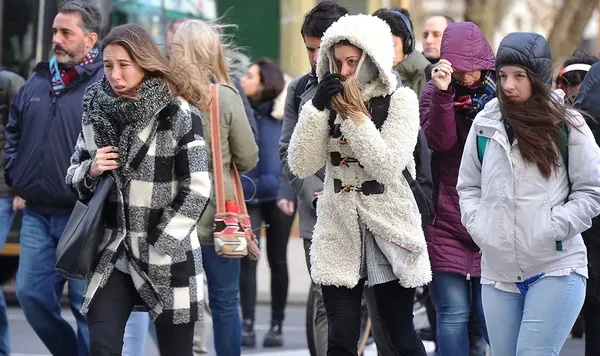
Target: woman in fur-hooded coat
{"type": "Point", "coordinates": [368, 225]}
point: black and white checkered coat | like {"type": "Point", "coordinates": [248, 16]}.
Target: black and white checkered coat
{"type": "Point", "coordinates": [152, 214]}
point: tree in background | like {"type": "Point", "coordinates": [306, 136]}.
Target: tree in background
{"type": "Point", "coordinates": [569, 25]}
{"type": "Point", "coordinates": [487, 14]}
{"type": "Point", "coordinates": [566, 25]}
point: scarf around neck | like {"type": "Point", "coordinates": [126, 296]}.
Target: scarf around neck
{"type": "Point", "coordinates": [111, 115]}
{"type": "Point", "coordinates": [61, 78]}
{"type": "Point", "coordinates": [470, 100]}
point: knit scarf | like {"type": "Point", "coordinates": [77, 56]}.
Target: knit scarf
{"type": "Point", "coordinates": [470, 100]}
{"type": "Point", "coordinates": [114, 118]}
{"type": "Point", "coordinates": [61, 78]}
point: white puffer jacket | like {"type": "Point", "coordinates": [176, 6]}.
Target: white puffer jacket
{"type": "Point", "coordinates": [514, 214]}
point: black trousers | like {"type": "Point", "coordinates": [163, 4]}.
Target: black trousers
{"type": "Point", "coordinates": [278, 234]}
{"type": "Point", "coordinates": [110, 311]}
{"type": "Point", "coordinates": [395, 307]}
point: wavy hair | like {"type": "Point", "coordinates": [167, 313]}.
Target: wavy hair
{"type": "Point", "coordinates": [200, 44]}
{"type": "Point", "coordinates": [141, 48]}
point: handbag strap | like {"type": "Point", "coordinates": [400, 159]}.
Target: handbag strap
{"type": "Point", "coordinates": [215, 129]}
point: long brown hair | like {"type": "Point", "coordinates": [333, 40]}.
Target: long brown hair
{"type": "Point", "coordinates": [141, 48]}
{"type": "Point", "coordinates": [537, 124]}
{"type": "Point", "coordinates": [349, 103]}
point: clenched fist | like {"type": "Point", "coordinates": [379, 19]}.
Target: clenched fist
{"type": "Point", "coordinates": [107, 159]}
{"type": "Point", "coordinates": [442, 74]}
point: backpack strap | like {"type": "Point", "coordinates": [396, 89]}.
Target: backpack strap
{"type": "Point", "coordinates": [481, 145]}
{"type": "Point", "coordinates": [564, 150]}
{"type": "Point", "coordinates": [300, 89]}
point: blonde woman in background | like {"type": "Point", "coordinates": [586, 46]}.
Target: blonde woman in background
{"type": "Point", "coordinates": [198, 45]}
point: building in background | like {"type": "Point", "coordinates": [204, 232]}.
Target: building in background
{"type": "Point", "coordinates": [26, 25]}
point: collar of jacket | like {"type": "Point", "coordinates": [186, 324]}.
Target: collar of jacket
{"type": "Point", "coordinates": [262, 108]}
{"type": "Point", "coordinates": [86, 71]}
{"type": "Point", "coordinates": [412, 66]}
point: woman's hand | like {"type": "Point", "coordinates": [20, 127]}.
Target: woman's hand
{"type": "Point", "coordinates": [286, 206]}
{"type": "Point", "coordinates": [107, 159]}
{"type": "Point", "coordinates": [329, 86]}
{"type": "Point", "coordinates": [442, 74]}
{"type": "Point", "coordinates": [18, 203]}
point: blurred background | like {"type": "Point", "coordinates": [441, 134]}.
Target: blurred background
{"type": "Point", "coordinates": [272, 27]}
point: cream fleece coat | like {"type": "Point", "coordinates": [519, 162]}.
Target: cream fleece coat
{"type": "Point", "coordinates": [336, 251]}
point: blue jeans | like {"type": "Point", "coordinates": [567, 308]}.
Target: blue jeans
{"type": "Point", "coordinates": [535, 324]}
{"type": "Point", "coordinates": [7, 216]}
{"type": "Point", "coordinates": [136, 331]}
{"type": "Point", "coordinates": [40, 288]}
{"type": "Point", "coordinates": [455, 298]}
{"type": "Point", "coordinates": [223, 279]}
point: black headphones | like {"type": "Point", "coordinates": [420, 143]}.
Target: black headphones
{"type": "Point", "coordinates": [410, 41]}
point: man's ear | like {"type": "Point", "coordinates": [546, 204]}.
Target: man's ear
{"type": "Point", "coordinates": [91, 39]}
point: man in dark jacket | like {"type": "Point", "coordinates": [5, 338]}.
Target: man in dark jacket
{"type": "Point", "coordinates": [44, 123]}
{"type": "Point", "coordinates": [588, 100]}
{"type": "Point", "coordinates": [9, 85]}
{"type": "Point", "coordinates": [301, 90]}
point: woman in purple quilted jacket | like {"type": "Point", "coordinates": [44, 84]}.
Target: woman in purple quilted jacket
{"type": "Point", "coordinates": [462, 82]}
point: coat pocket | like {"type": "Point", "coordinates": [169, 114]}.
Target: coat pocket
{"type": "Point", "coordinates": [542, 236]}
{"type": "Point", "coordinates": [474, 229]}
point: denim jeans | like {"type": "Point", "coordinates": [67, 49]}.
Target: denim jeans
{"type": "Point", "coordinates": [223, 279]}
{"type": "Point", "coordinates": [535, 324]}
{"type": "Point", "coordinates": [7, 216]}
{"type": "Point", "coordinates": [136, 331]}
{"type": "Point", "coordinates": [455, 298]}
{"type": "Point", "coordinates": [40, 288]}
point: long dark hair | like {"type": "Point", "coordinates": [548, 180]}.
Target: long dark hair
{"type": "Point", "coordinates": [271, 77]}
{"type": "Point", "coordinates": [537, 124]}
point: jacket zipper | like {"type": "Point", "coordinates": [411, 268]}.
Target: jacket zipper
{"type": "Point", "coordinates": [514, 241]}
{"type": "Point", "coordinates": [51, 116]}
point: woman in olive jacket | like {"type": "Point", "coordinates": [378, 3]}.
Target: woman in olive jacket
{"type": "Point", "coordinates": [198, 43]}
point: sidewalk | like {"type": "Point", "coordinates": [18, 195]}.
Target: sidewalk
{"type": "Point", "coordinates": [298, 274]}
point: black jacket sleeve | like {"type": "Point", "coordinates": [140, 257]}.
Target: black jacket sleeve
{"type": "Point", "coordinates": [423, 163]}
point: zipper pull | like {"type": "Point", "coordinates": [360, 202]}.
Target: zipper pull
{"type": "Point", "coordinates": [468, 276]}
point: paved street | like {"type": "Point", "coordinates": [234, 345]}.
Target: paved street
{"type": "Point", "coordinates": [25, 342]}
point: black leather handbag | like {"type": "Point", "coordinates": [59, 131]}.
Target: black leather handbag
{"type": "Point", "coordinates": [77, 250]}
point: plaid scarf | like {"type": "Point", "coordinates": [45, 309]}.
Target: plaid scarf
{"type": "Point", "coordinates": [61, 78]}
{"type": "Point", "coordinates": [470, 100]}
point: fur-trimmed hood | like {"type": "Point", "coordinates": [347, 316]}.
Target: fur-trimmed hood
{"type": "Point", "coordinates": [372, 35]}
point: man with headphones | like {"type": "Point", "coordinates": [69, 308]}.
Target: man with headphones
{"type": "Point", "coordinates": [409, 64]}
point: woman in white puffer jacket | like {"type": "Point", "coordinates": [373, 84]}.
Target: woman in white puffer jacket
{"type": "Point", "coordinates": [529, 184]}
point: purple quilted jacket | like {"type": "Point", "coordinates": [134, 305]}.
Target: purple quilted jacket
{"type": "Point", "coordinates": [451, 249]}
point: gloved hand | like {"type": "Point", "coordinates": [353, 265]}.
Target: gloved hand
{"type": "Point", "coordinates": [329, 86]}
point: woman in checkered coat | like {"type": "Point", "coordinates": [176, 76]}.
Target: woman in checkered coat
{"type": "Point", "coordinates": [139, 128]}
